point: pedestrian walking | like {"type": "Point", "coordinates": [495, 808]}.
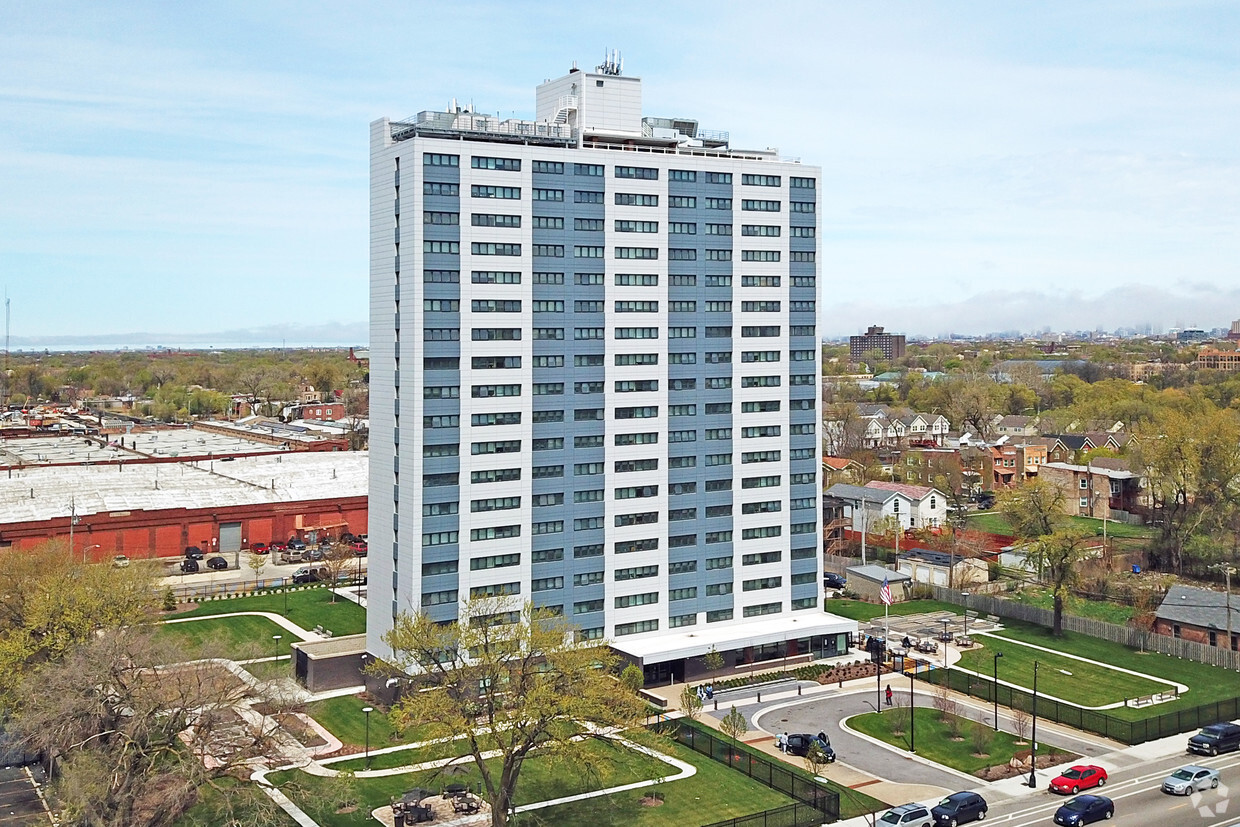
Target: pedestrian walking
{"type": "Point", "coordinates": [888, 694]}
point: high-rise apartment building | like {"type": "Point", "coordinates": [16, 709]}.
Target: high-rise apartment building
{"type": "Point", "coordinates": [595, 377]}
{"type": "Point", "coordinates": [891, 345]}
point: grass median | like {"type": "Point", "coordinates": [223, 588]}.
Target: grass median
{"type": "Point", "coordinates": [952, 745]}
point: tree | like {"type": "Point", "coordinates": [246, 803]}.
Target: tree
{"type": "Point", "coordinates": [507, 678]}
{"type": "Point", "coordinates": [691, 703]}
{"type": "Point", "coordinates": [713, 659]}
{"type": "Point", "coordinates": [980, 735]}
{"type": "Point", "coordinates": [1190, 457]}
{"type": "Point", "coordinates": [53, 602]}
{"type": "Point", "coordinates": [257, 562]}
{"type": "Point", "coordinates": [1020, 719]}
{"type": "Point", "coordinates": [816, 759]}
{"type": "Point", "coordinates": [335, 558]}
{"type": "Point", "coordinates": [1051, 546]}
{"type": "Point", "coordinates": [632, 679]}
{"type": "Point", "coordinates": [127, 731]}
{"type": "Point", "coordinates": [972, 404]}
{"type": "Point", "coordinates": [734, 725]}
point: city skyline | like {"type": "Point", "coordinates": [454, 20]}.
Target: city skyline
{"type": "Point", "coordinates": [984, 169]}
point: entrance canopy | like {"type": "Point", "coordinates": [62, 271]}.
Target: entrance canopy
{"type": "Point", "coordinates": [697, 641]}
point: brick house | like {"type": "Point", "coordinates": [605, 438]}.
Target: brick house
{"type": "Point", "coordinates": [1103, 489]}
{"type": "Point", "coordinates": [1199, 615]}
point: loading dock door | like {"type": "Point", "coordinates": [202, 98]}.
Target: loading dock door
{"type": "Point", "coordinates": [230, 536]}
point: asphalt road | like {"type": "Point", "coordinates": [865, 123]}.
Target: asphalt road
{"type": "Point", "coordinates": [1138, 800]}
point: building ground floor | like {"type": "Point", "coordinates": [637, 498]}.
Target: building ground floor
{"type": "Point", "coordinates": [682, 656]}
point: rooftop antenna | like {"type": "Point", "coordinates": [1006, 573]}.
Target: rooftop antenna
{"type": "Point", "coordinates": [612, 63]}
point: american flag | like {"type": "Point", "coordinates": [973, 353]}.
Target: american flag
{"type": "Point", "coordinates": [884, 593]}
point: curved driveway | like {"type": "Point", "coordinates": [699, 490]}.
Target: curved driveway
{"type": "Point", "coordinates": [826, 711]}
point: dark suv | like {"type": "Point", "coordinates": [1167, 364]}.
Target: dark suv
{"type": "Point", "coordinates": [189, 565]}
{"type": "Point", "coordinates": [959, 808]}
{"type": "Point", "coordinates": [801, 742]}
{"type": "Point", "coordinates": [194, 553]}
{"type": "Point", "coordinates": [1215, 738]}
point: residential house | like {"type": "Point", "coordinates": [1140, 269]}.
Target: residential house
{"type": "Point", "coordinates": [1199, 615]}
{"type": "Point", "coordinates": [1104, 489]}
{"type": "Point", "coordinates": [938, 568]}
{"type": "Point", "coordinates": [839, 469]}
{"type": "Point", "coordinates": [922, 466]}
{"type": "Point", "coordinates": [927, 505]}
{"type": "Point", "coordinates": [1069, 447]}
{"type": "Point", "coordinates": [1005, 471]}
{"type": "Point", "coordinates": [1016, 426]}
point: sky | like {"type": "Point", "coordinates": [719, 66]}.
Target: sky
{"type": "Point", "coordinates": [182, 169]}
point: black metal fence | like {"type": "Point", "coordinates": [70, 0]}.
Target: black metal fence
{"type": "Point", "coordinates": [793, 815]}
{"type": "Point", "coordinates": [818, 803]}
{"type": "Point", "coordinates": [1090, 720]}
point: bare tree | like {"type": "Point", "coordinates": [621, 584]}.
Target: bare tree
{"type": "Point", "coordinates": [1020, 719]}
{"type": "Point", "coordinates": [131, 735]}
{"type": "Point", "coordinates": [980, 736]}
{"type": "Point", "coordinates": [335, 558]}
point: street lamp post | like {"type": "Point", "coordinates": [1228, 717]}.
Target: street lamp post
{"type": "Point", "coordinates": [995, 689]}
{"type": "Point", "coordinates": [912, 712]}
{"type": "Point", "coordinates": [276, 639]}
{"type": "Point", "coordinates": [368, 710]}
{"type": "Point", "coordinates": [1033, 738]}
{"type": "Point", "coordinates": [87, 549]}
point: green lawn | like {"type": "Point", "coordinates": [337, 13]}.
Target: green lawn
{"type": "Point", "coordinates": [240, 638]}
{"type": "Point", "coordinates": [725, 792]}
{"type": "Point", "coordinates": [861, 611]}
{"type": "Point", "coordinates": [1087, 685]}
{"type": "Point", "coordinates": [994, 523]}
{"type": "Point", "coordinates": [343, 717]}
{"type": "Point", "coordinates": [934, 740]}
{"type": "Point", "coordinates": [307, 608]}
{"type": "Point", "coordinates": [1205, 683]}
{"type": "Point", "coordinates": [1103, 610]}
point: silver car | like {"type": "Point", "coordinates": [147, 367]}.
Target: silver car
{"type": "Point", "coordinates": [1190, 779]}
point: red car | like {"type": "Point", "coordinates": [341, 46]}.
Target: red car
{"type": "Point", "coordinates": [259, 548]}
{"type": "Point", "coordinates": [1080, 777]}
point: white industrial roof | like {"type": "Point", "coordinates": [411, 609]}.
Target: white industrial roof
{"type": "Point", "coordinates": [44, 493]}
{"type": "Point", "coordinates": [166, 442]}
{"type": "Point", "coordinates": [699, 640]}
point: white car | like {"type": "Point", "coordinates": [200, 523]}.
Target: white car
{"type": "Point", "coordinates": [1190, 779]}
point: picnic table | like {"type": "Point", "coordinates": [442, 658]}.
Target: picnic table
{"type": "Point", "coordinates": [466, 803]}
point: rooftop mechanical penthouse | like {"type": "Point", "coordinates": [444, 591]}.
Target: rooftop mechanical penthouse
{"type": "Point", "coordinates": [595, 377]}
